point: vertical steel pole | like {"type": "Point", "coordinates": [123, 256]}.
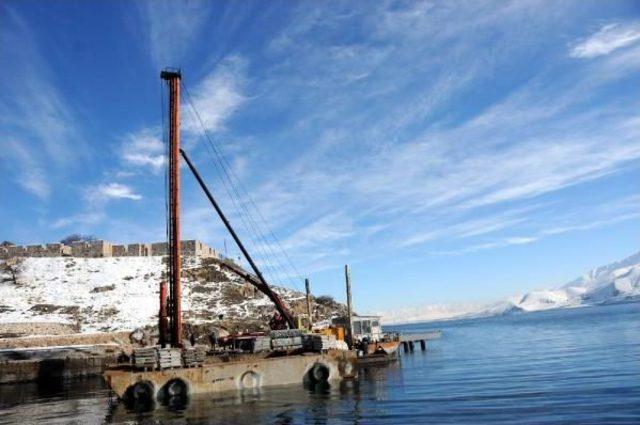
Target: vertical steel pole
{"type": "Point", "coordinates": [347, 277]}
{"type": "Point", "coordinates": [309, 312]}
{"type": "Point", "coordinates": [173, 81]}
{"type": "Point", "coordinates": [162, 325]}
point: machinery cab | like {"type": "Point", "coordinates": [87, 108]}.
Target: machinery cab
{"type": "Point", "coordinates": [365, 328]}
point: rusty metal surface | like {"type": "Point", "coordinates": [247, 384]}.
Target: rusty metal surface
{"type": "Point", "coordinates": [238, 375]}
{"type": "Point", "coordinates": [162, 316]}
{"type": "Point", "coordinates": [389, 347]}
{"type": "Point", "coordinates": [175, 296]}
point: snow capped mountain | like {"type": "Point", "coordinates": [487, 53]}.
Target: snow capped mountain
{"type": "Point", "coordinates": [613, 283]}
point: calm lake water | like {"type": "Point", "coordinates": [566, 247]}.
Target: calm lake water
{"type": "Point", "coordinates": [574, 366]}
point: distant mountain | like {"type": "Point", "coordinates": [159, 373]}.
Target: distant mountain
{"type": "Point", "coordinates": [614, 283]}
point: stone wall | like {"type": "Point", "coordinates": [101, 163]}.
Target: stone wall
{"type": "Point", "coordinates": [102, 248]}
{"type": "Point", "coordinates": [118, 250]}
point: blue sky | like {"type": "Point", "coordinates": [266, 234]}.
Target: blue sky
{"type": "Point", "coordinates": [448, 151]}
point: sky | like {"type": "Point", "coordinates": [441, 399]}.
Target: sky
{"type": "Point", "coordinates": [449, 152]}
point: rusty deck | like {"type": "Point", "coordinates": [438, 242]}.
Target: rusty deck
{"type": "Point", "coordinates": [244, 374]}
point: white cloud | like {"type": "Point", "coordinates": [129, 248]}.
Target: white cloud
{"type": "Point", "coordinates": [500, 243]}
{"type": "Point", "coordinates": [609, 38]}
{"type": "Point", "coordinates": [329, 228]}
{"type": "Point", "coordinates": [394, 160]}
{"type": "Point", "coordinates": [143, 149]}
{"type": "Point", "coordinates": [215, 98]}
{"type": "Point", "coordinates": [106, 191]}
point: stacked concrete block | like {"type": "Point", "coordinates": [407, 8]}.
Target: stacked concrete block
{"type": "Point", "coordinates": [194, 356]}
{"type": "Point", "coordinates": [261, 343]}
{"type": "Point", "coordinates": [145, 358]}
{"type": "Point", "coordinates": [169, 358]}
{"type": "Point", "coordinates": [286, 339]}
{"type": "Point", "coordinates": [119, 250]}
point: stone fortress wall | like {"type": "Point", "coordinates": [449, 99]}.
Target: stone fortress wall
{"type": "Point", "coordinates": [102, 248]}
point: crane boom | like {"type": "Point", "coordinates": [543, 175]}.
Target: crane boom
{"type": "Point", "coordinates": [260, 283]}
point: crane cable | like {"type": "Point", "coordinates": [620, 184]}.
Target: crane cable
{"type": "Point", "coordinates": [259, 227]}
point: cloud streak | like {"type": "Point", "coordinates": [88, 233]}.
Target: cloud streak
{"type": "Point", "coordinates": [609, 38]}
{"type": "Point", "coordinates": [41, 137]}
{"type": "Point", "coordinates": [171, 27]}
{"type": "Point", "coordinates": [143, 149]}
{"type": "Point", "coordinates": [107, 191]}
{"type": "Point", "coordinates": [29, 175]}
{"type": "Point", "coordinates": [215, 98]}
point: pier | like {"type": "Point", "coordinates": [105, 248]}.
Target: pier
{"type": "Point", "coordinates": [409, 341]}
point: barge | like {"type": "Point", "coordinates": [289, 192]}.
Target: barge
{"type": "Point", "coordinates": [217, 374]}
{"type": "Point", "coordinates": [176, 368]}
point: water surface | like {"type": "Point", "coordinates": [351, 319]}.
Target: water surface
{"type": "Point", "coordinates": [568, 366]}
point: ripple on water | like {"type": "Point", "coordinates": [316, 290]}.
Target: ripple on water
{"type": "Point", "coordinates": [574, 366]}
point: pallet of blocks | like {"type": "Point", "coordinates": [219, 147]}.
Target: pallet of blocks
{"type": "Point", "coordinates": [169, 358]}
{"type": "Point", "coordinates": [286, 339]}
{"type": "Point", "coordinates": [145, 358]}
{"type": "Point", "coordinates": [319, 342]}
{"type": "Point", "coordinates": [194, 356]}
{"type": "Point", "coordinates": [261, 343]}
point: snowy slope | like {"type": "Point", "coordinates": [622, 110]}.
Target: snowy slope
{"type": "Point", "coordinates": [614, 283]}
{"type": "Point", "coordinates": [106, 294]}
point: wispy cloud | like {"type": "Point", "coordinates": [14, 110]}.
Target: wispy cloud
{"type": "Point", "coordinates": [39, 124]}
{"type": "Point", "coordinates": [107, 191]}
{"type": "Point", "coordinates": [609, 38]}
{"type": "Point", "coordinates": [326, 229]}
{"type": "Point", "coordinates": [390, 147]}
{"type": "Point", "coordinates": [216, 97]}
{"type": "Point", "coordinates": [608, 214]}
{"type": "Point", "coordinates": [29, 174]}
{"type": "Point", "coordinates": [84, 220]}
{"type": "Point", "coordinates": [143, 148]}
{"type": "Point", "coordinates": [171, 27]}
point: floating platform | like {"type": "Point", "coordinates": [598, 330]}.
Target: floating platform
{"type": "Point", "coordinates": [216, 375]}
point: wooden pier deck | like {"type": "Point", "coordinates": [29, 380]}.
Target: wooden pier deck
{"type": "Point", "coordinates": [409, 341]}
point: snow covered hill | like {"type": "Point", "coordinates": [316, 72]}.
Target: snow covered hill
{"type": "Point", "coordinates": [614, 283]}
{"type": "Point", "coordinates": [121, 293]}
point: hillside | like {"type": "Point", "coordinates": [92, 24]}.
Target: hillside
{"type": "Point", "coordinates": [614, 283]}
{"type": "Point", "coordinates": [121, 293]}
